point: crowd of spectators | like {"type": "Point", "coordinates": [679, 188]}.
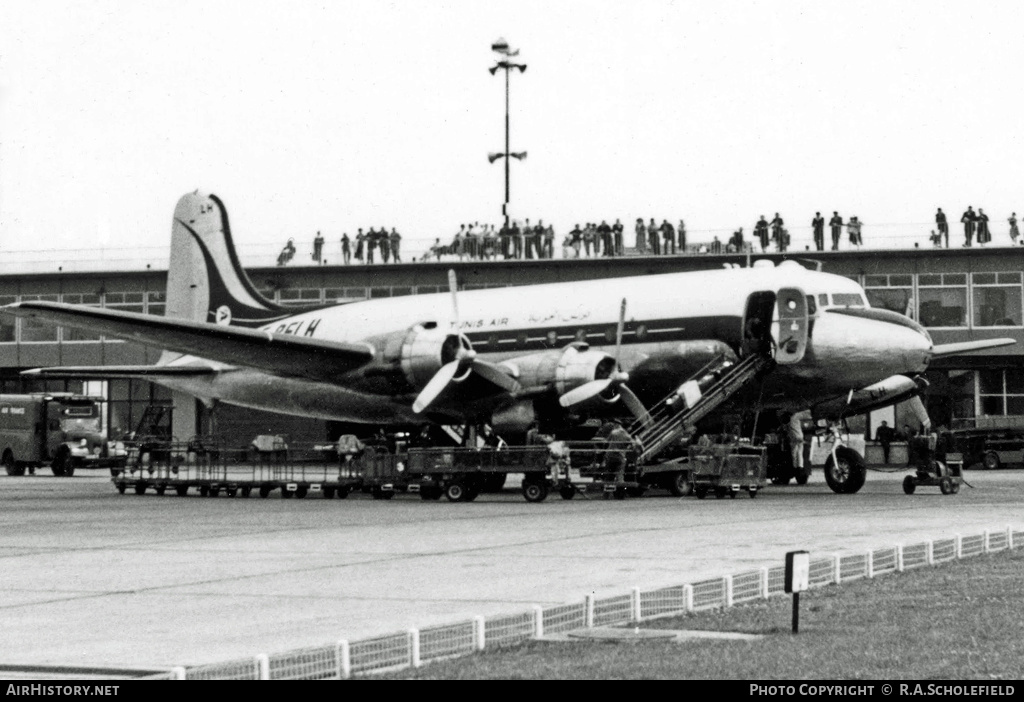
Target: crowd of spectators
{"type": "Point", "coordinates": [522, 240]}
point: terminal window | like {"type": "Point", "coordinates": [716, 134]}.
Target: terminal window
{"type": "Point", "coordinates": [943, 299]}
{"type": "Point", "coordinates": [76, 335]}
{"type": "Point", "coordinates": [1001, 392]}
{"type": "Point", "coordinates": [34, 330]}
{"type": "Point", "coordinates": [891, 292]}
{"type": "Point", "coordinates": [997, 299]}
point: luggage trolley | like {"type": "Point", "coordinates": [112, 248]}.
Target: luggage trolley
{"type": "Point", "coordinates": [935, 468]}
{"type": "Point", "coordinates": [727, 468]}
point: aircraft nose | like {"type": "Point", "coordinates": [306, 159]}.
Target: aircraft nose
{"type": "Point", "coordinates": [874, 345]}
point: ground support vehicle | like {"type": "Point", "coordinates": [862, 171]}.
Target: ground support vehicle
{"type": "Point", "coordinates": [460, 474]}
{"type": "Point", "coordinates": [944, 470]}
{"type": "Point", "coordinates": [205, 466]}
{"type": "Point", "coordinates": [61, 430]}
{"type": "Point", "coordinates": [727, 468]}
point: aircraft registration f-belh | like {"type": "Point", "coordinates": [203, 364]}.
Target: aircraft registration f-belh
{"type": "Point", "coordinates": [788, 337]}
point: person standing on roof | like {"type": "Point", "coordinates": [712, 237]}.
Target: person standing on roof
{"type": "Point", "coordinates": [761, 232]}
{"type": "Point", "coordinates": [968, 219]}
{"type": "Point", "coordinates": [984, 236]}
{"type": "Point", "coordinates": [346, 249]}
{"type": "Point", "coordinates": [819, 231]}
{"type": "Point", "coordinates": [396, 241]}
{"type": "Point", "coordinates": [836, 223]}
{"type": "Point", "coordinates": [668, 236]}
{"type": "Point", "coordinates": [1014, 232]}
{"type": "Point", "coordinates": [777, 237]}
{"type": "Point", "coordinates": [653, 243]}
{"type": "Point", "coordinates": [942, 225]}
{"type": "Point", "coordinates": [641, 236]}
{"type": "Point", "coordinates": [617, 238]}
{"type": "Point", "coordinates": [318, 249]}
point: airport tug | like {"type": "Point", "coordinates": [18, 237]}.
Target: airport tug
{"type": "Point", "coordinates": [935, 467]}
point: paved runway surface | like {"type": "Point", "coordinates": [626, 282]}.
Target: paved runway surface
{"type": "Point", "coordinates": [90, 577]}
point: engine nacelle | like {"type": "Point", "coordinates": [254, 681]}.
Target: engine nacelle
{"type": "Point", "coordinates": [894, 389]}
{"type": "Point", "coordinates": [425, 348]}
{"type": "Point", "coordinates": [562, 369]}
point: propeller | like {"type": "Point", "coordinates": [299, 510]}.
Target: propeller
{"type": "Point", "coordinates": [459, 369]}
{"type": "Point", "coordinates": [616, 379]}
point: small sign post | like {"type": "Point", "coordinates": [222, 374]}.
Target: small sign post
{"type": "Point", "coordinates": [798, 577]}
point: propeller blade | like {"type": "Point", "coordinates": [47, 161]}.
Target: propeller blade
{"type": "Point", "coordinates": [635, 406]}
{"type": "Point", "coordinates": [453, 287]}
{"type": "Point", "coordinates": [584, 392]}
{"type": "Point", "coordinates": [436, 386]}
{"type": "Point", "coordinates": [496, 375]}
{"type": "Point", "coordinates": [618, 330]}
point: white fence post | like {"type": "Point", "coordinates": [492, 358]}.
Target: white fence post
{"type": "Point", "coordinates": [343, 657]}
{"type": "Point", "coordinates": [1009, 537]}
{"type": "Point", "coordinates": [479, 629]}
{"type": "Point", "coordinates": [929, 550]}
{"type": "Point", "coordinates": [262, 666]}
{"type": "Point", "coordinates": [764, 583]}
{"type": "Point", "coordinates": [588, 620]}
{"type": "Point", "coordinates": [688, 597]}
{"type": "Point", "coordinates": [899, 558]}
{"type": "Point", "coordinates": [178, 672]}
{"type": "Point", "coordinates": [959, 541]}
{"type": "Point", "coordinates": [538, 622]}
{"type": "Point", "coordinates": [837, 568]}
{"type": "Point", "coordinates": [635, 602]}
{"type": "Point", "coordinates": [985, 535]}
{"type": "Point", "coordinates": [870, 564]}
{"type": "Point", "coordinates": [414, 648]}
{"type": "Point", "coordinates": [727, 580]}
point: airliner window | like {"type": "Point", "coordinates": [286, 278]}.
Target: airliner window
{"type": "Point", "coordinates": [521, 340]}
{"type": "Point", "coordinates": [609, 334]}
{"type": "Point", "coordinates": [552, 337]}
{"type": "Point", "coordinates": [492, 342]}
{"type": "Point", "coordinates": [847, 300]}
{"type": "Point", "coordinates": [641, 332]}
{"type": "Point", "coordinates": [823, 300]}
{"type": "Point", "coordinates": [581, 335]}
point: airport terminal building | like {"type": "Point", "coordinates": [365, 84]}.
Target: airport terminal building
{"type": "Point", "coordinates": [957, 294]}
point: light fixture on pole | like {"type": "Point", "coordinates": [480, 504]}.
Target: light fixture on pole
{"type": "Point", "coordinates": [501, 47]}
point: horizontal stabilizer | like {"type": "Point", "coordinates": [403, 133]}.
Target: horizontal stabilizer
{"type": "Point", "coordinates": [105, 372]}
{"type": "Point", "coordinates": [280, 354]}
{"type": "Point", "coordinates": [943, 350]}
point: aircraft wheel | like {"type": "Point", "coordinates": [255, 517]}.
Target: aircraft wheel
{"type": "Point", "coordinates": [679, 484]}
{"type": "Point", "coordinates": [990, 461]}
{"type": "Point", "coordinates": [567, 492]}
{"type": "Point", "coordinates": [946, 486]}
{"type": "Point", "coordinates": [11, 466]}
{"type": "Point", "coordinates": [61, 463]}
{"type": "Point", "coordinates": [230, 492]}
{"type": "Point", "coordinates": [182, 490]}
{"type": "Point", "coordinates": [455, 491]}
{"type": "Point", "coordinates": [909, 485]}
{"type": "Point", "coordinates": [140, 488]}
{"type": "Point", "coordinates": [535, 492]}
{"type": "Point", "coordinates": [846, 475]}
{"type": "Point", "coordinates": [431, 493]}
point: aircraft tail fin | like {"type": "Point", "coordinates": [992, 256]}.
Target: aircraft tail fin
{"type": "Point", "coordinates": [205, 280]}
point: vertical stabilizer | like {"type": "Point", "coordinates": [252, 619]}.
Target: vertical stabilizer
{"type": "Point", "coordinates": [205, 281]}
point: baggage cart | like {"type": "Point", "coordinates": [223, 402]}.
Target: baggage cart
{"type": "Point", "coordinates": [725, 469]}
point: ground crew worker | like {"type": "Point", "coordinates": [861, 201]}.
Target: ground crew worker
{"type": "Point", "coordinates": [795, 434]}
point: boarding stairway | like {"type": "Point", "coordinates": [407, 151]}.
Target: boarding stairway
{"type": "Point", "coordinates": [690, 402]}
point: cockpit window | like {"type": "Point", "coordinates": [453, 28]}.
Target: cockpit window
{"type": "Point", "coordinates": [847, 300]}
{"type": "Point", "coordinates": [811, 307]}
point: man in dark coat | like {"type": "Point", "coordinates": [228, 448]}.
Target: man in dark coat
{"type": "Point", "coordinates": [761, 232]}
{"type": "Point", "coordinates": [819, 231]}
{"type": "Point", "coordinates": [942, 226]}
{"type": "Point", "coordinates": [885, 435]}
{"type": "Point", "coordinates": [836, 223]}
{"type": "Point", "coordinates": [969, 218]}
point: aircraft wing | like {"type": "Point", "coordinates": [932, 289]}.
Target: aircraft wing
{"type": "Point", "coordinates": [943, 350]}
{"type": "Point", "coordinates": [107, 372]}
{"type": "Point", "coordinates": [280, 354]}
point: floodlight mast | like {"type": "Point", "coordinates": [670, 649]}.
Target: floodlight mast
{"type": "Point", "coordinates": [501, 47]}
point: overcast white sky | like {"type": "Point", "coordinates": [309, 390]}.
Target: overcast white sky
{"type": "Point", "coordinates": [336, 115]}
